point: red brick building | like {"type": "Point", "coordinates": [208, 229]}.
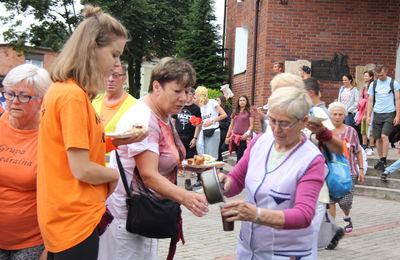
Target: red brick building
{"type": "Point", "coordinates": [368, 31]}
{"type": "Point", "coordinates": [9, 58]}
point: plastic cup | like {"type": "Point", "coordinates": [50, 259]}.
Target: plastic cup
{"type": "Point", "coordinates": [226, 225]}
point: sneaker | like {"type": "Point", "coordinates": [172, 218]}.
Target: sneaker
{"type": "Point", "coordinates": [197, 184]}
{"type": "Point", "coordinates": [335, 240]}
{"type": "Point", "coordinates": [380, 166]}
{"type": "Point", "coordinates": [349, 227]}
{"type": "Point", "coordinates": [384, 177]}
{"type": "Point", "coordinates": [364, 146]}
{"type": "Point", "coordinates": [369, 151]}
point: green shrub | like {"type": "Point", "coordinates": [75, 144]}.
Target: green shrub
{"type": "Point", "coordinates": [214, 93]}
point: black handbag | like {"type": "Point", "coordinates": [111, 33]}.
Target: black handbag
{"type": "Point", "coordinates": [209, 132]}
{"type": "Point", "coordinates": [149, 216]}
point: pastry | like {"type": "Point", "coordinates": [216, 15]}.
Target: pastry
{"type": "Point", "coordinates": [198, 160]}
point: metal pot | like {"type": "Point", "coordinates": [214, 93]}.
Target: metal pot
{"type": "Point", "coordinates": [212, 186]}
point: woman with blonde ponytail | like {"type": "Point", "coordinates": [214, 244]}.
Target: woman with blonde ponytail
{"type": "Point", "coordinates": [211, 114]}
{"type": "Point", "coordinates": [72, 181]}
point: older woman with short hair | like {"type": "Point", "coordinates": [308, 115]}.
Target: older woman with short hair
{"type": "Point", "coordinates": [155, 159]}
{"type": "Point", "coordinates": [338, 114]}
{"type": "Point", "coordinates": [24, 88]}
{"type": "Point", "coordinates": [280, 196]}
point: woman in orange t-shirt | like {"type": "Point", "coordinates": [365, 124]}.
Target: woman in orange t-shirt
{"type": "Point", "coordinates": [73, 182]}
{"type": "Point", "coordinates": [20, 237]}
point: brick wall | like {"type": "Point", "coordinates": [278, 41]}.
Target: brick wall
{"type": "Point", "coordinates": [368, 31]}
{"type": "Point", "coordinates": [10, 58]}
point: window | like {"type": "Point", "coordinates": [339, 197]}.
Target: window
{"type": "Point", "coordinates": [240, 50]}
{"type": "Point", "coordinates": [34, 59]}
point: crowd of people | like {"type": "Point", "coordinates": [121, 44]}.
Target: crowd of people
{"type": "Point", "coordinates": [63, 197]}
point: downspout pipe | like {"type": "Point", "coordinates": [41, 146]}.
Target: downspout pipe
{"type": "Point", "coordinates": [253, 76]}
{"type": "Point", "coordinates": [224, 34]}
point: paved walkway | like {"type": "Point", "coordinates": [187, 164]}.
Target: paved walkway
{"type": "Point", "coordinates": [376, 233]}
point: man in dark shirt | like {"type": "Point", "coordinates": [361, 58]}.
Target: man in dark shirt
{"type": "Point", "coordinates": [187, 132]}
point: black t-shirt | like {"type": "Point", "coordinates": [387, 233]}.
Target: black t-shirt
{"type": "Point", "coordinates": [183, 125]}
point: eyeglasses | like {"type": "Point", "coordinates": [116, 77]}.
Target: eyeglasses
{"type": "Point", "coordinates": [116, 75]}
{"type": "Point", "coordinates": [21, 98]}
{"type": "Point", "coordinates": [281, 124]}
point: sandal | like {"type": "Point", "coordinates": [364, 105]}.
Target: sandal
{"type": "Point", "coordinates": [349, 227]}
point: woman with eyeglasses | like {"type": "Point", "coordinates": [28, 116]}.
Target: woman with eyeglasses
{"type": "Point", "coordinates": [282, 173]}
{"type": "Point", "coordinates": [155, 160]}
{"type": "Point", "coordinates": [24, 88]}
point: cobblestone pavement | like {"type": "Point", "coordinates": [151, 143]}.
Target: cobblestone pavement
{"type": "Point", "coordinates": [376, 233]}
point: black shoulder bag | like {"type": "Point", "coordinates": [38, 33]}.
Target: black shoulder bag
{"type": "Point", "coordinates": [149, 216]}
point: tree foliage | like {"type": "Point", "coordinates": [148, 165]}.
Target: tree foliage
{"type": "Point", "coordinates": [55, 22]}
{"type": "Point", "coordinates": [199, 43]}
{"type": "Point", "coordinates": [153, 26]}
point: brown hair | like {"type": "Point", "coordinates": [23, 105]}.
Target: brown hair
{"type": "Point", "coordinates": [170, 69]}
{"type": "Point", "coordinates": [77, 59]}
{"type": "Point", "coordinates": [380, 67]}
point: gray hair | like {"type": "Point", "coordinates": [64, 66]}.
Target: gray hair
{"type": "Point", "coordinates": [31, 75]}
{"type": "Point", "coordinates": [286, 80]}
{"type": "Point", "coordinates": [337, 104]}
{"type": "Point", "coordinates": [294, 100]}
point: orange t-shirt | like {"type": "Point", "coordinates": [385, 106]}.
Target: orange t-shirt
{"type": "Point", "coordinates": [68, 209]}
{"type": "Point", "coordinates": [18, 167]}
{"type": "Point", "coordinates": [109, 110]}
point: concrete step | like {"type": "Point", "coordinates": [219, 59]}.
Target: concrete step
{"type": "Point", "coordinates": [375, 181]}
{"type": "Point", "coordinates": [373, 172]}
{"type": "Point", "coordinates": [377, 192]}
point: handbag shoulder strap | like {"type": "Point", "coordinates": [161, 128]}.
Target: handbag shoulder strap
{"type": "Point", "coordinates": [122, 173]}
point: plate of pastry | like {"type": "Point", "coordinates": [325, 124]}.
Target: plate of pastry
{"type": "Point", "coordinates": [135, 130]}
{"type": "Point", "coordinates": [203, 161]}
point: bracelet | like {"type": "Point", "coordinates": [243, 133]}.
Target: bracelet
{"type": "Point", "coordinates": [324, 136]}
{"type": "Point", "coordinates": [361, 168]}
{"type": "Point", "coordinates": [258, 216]}
{"type": "Point", "coordinates": [194, 137]}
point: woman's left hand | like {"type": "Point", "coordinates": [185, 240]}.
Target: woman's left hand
{"type": "Point", "coordinates": [244, 137]}
{"type": "Point", "coordinates": [196, 203]}
{"type": "Point", "coordinates": [361, 176]}
{"type": "Point", "coordinates": [192, 143]}
{"type": "Point", "coordinates": [137, 137]}
{"type": "Point", "coordinates": [239, 210]}
{"type": "Point", "coordinates": [207, 123]}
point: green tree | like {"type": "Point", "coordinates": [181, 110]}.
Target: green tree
{"type": "Point", "coordinates": [199, 43]}
{"type": "Point", "coordinates": [55, 22]}
{"type": "Point", "coordinates": [153, 26]}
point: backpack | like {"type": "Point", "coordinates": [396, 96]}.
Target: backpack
{"type": "Point", "coordinates": [339, 180]}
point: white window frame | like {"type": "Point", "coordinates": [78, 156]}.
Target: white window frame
{"type": "Point", "coordinates": [241, 42]}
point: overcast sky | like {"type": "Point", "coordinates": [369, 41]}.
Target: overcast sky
{"type": "Point", "coordinates": [219, 13]}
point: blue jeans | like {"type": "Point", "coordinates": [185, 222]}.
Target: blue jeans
{"type": "Point", "coordinates": [394, 167]}
{"type": "Point", "coordinates": [211, 144]}
{"type": "Point", "coordinates": [349, 120]}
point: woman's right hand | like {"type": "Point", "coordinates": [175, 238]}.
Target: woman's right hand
{"type": "Point", "coordinates": [223, 178]}
{"type": "Point", "coordinates": [196, 203]}
{"type": "Point", "coordinates": [227, 140]}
